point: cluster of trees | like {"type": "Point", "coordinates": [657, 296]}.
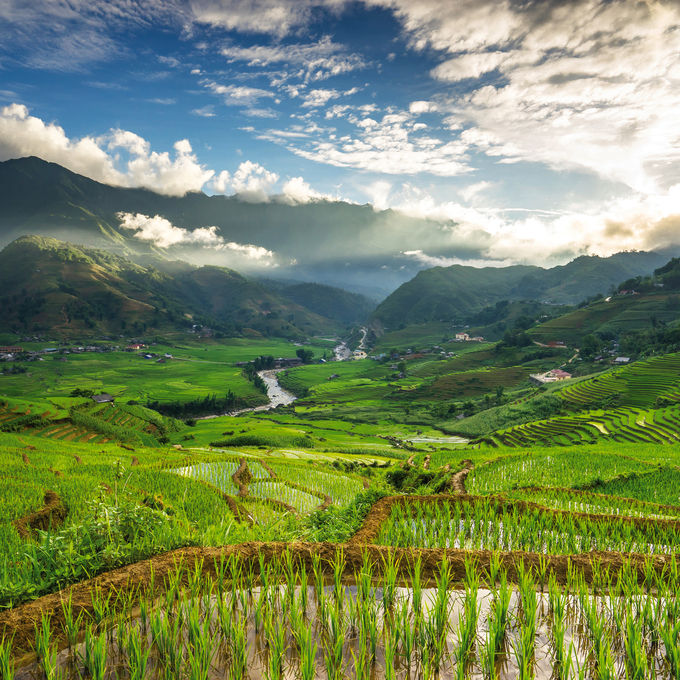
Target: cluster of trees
{"type": "Point", "coordinates": [197, 407]}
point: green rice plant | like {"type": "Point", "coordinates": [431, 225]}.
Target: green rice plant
{"type": "Point", "coordinates": [275, 633]}
{"type": "Point", "coordinates": [389, 585]}
{"type": "Point", "coordinates": [307, 654]}
{"type": "Point", "coordinates": [407, 634]}
{"type": "Point", "coordinates": [333, 649]}
{"type": "Point", "coordinates": [561, 655]}
{"type": "Point", "coordinates": [670, 635]}
{"type": "Point", "coordinates": [137, 655]}
{"type": "Point", "coordinates": [636, 657]}
{"type": "Point", "coordinates": [95, 654]}
{"type": "Point", "coordinates": [239, 650]}
{"type": "Point", "coordinates": [43, 637]}
{"type": "Point", "coordinates": [72, 624]}
{"type": "Point", "coordinates": [6, 659]}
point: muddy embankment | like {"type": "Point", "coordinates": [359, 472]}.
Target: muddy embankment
{"type": "Point", "coordinates": [19, 623]}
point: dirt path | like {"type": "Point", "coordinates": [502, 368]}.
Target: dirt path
{"type": "Point", "coordinates": [457, 482]}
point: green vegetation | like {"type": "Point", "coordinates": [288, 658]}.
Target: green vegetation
{"type": "Point", "coordinates": [494, 525]}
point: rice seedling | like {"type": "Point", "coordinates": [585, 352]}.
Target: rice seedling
{"type": "Point", "coordinates": [6, 659]}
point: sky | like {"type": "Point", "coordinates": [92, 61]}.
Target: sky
{"type": "Point", "coordinates": [538, 130]}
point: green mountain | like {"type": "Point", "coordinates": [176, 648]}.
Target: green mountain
{"type": "Point", "coordinates": [457, 292]}
{"type": "Point", "coordinates": [51, 285]}
{"type": "Point", "coordinates": [330, 302]}
{"type": "Point", "coordinates": [330, 241]}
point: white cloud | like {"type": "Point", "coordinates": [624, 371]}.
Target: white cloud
{"type": "Point", "coordinates": [97, 158]}
{"type": "Point", "coordinates": [238, 95]}
{"type": "Point", "coordinates": [249, 251]}
{"type": "Point", "coordinates": [205, 111]}
{"type": "Point", "coordinates": [472, 190]}
{"type": "Point", "coordinates": [296, 192]}
{"type": "Point", "coordinates": [318, 98]}
{"type": "Point", "coordinates": [276, 17]}
{"type": "Point", "coordinates": [162, 233]}
{"type": "Point", "coordinates": [585, 85]}
{"type": "Point", "coordinates": [313, 61]}
{"type": "Point", "coordinates": [163, 102]}
{"type": "Point", "coordinates": [379, 193]}
{"type": "Point", "coordinates": [421, 107]}
{"type": "Point", "coordinates": [251, 182]}
{"type": "Point", "coordinates": [471, 65]}
{"type": "Point", "coordinates": [386, 146]}
{"type": "Point", "coordinates": [438, 261]}
{"type": "Point", "coordinates": [640, 222]}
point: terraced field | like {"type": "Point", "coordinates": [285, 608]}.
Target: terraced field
{"type": "Point", "coordinates": [640, 384]}
{"type": "Point", "coordinates": [625, 425]}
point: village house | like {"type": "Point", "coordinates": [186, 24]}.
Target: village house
{"type": "Point", "coordinates": [103, 398]}
{"type": "Point", "coordinates": [549, 377]}
{"type": "Point", "coordinates": [287, 362]}
{"type": "Point", "coordinates": [462, 337]}
{"type": "Point", "coordinates": [358, 354]}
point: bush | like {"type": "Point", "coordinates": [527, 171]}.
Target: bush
{"type": "Point", "coordinates": [114, 535]}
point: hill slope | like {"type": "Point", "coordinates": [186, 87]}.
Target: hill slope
{"type": "Point", "coordinates": [453, 293]}
{"type": "Point", "coordinates": [50, 284]}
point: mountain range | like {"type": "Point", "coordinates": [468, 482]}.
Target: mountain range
{"type": "Point", "coordinates": [453, 293]}
{"type": "Point", "coordinates": [49, 284]}
{"type": "Point", "coordinates": [331, 242]}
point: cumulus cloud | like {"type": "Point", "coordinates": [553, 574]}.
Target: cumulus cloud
{"type": "Point", "coordinates": [298, 192]}
{"type": "Point", "coordinates": [24, 135]}
{"type": "Point", "coordinates": [588, 85]}
{"type": "Point", "coordinates": [276, 17]}
{"type": "Point", "coordinates": [162, 233]}
{"type": "Point", "coordinates": [639, 222]}
{"type": "Point", "coordinates": [438, 261]}
{"type": "Point", "coordinates": [251, 182]}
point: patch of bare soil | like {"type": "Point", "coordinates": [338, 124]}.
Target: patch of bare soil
{"type": "Point", "coordinates": [25, 458]}
{"type": "Point", "coordinates": [270, 472]}
{"type": "Point", "coordinates": [457, 482]}
{"type": "Point", "coordinates": [19, 623]}
{"type": "Point", "coordinates": [367, 484]}
{"type": "Point", "coordinates": [126, 447]}
{"type": "Point", "coordinates": [242, 478]}
{"type": "Point", "coordinates": [426, 462]}
{"type": "Point", "coordinates": [79, 460]}
{"type": "Point", "coordinates": [51, 515]}
{"type": "Point", "coordinates": [135, 461]}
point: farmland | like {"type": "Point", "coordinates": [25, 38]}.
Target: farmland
{"type": "Point", "coordinates": [350, 533]}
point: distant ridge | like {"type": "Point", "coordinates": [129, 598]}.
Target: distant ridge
{"type": "Point", "coordinates": [448, 293]}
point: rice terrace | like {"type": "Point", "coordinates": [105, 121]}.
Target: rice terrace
{"type": "Point", "coordinates": [339, 339]}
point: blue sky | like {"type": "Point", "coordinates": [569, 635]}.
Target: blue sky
{"type": "Point", "coordinates": [541, 130]}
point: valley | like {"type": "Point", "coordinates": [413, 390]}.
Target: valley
{"type": "Point", "coordinates": [302, 477]}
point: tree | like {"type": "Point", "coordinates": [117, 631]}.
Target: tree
{"type": "Point", "coordinates": [589, 345]}
{"type": "Point", "coordinates": [401, 367]}
{"type": "Point", "coordinates": [499, 393]}
{"type": "Point", "coordinates": [306, 355]}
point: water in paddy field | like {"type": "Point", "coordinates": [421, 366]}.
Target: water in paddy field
{"type": "Point", "coordinates": [207, 628]}
{"type": "Point", "coordinates": [438, 440]}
